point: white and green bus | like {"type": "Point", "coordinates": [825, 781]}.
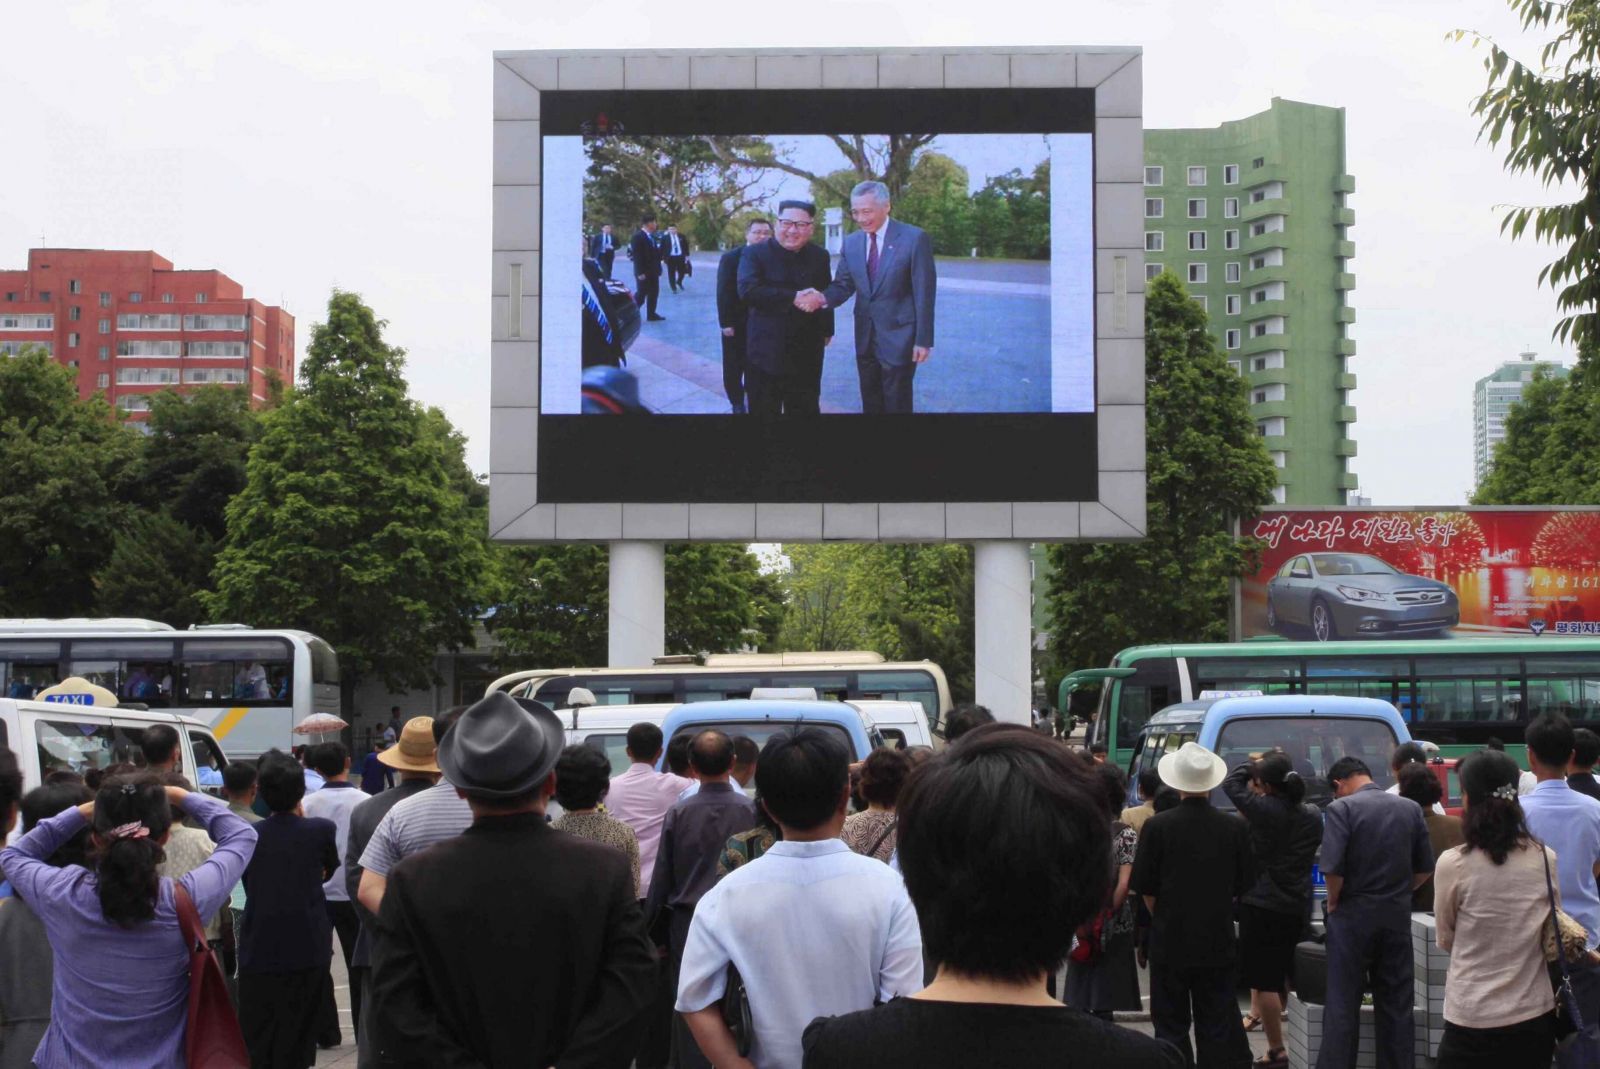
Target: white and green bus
{"type": "Point", "coordinates": [249, 686]}
{"type": "Point", "coordinates": [1458, 693]}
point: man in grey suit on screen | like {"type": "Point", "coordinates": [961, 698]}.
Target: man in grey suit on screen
{"type": "Point", "coordinates": [887, 266]}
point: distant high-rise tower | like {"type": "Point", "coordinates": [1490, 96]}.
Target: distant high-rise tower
{"type": "Point", "coordinates": [1252, 215]}
{"type": "Point", "coordinates": [1492, 397]}
{"type": "Point", "coordinates": [128, 325]}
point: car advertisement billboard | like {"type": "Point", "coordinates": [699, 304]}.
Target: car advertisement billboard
{"type": "Point", "coordinates": [1355, 573]}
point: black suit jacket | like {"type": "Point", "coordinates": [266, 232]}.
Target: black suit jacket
{"type": "Point", "coordinates": [285, 926]}
{"type": "Point", "coordinates": [594, 245]}
{"type": "Point", "coordinates": [364, 820]}
{"type": "Point", "coordinates": [646, 255]}
{"type": "Point", "coordinates": [782, 339]}
{"type": "Point", "coordinates": [511, 945]}
{"type": "Point", "coordinates": [731, 311]}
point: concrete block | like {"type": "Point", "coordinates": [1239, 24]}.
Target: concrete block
{"type": "Point", "coordinates": [788, 522]}
{"type": "Point", "coordinates": [1096, 67]}
{"type": "Point", "coordinates": [538, 524]}
{"type": "Point", "coordinates": [1035, 71]}
{"type": "Point", "coordinates": [516, 217]}
{"type": "Point", "coordinates": [977, 519]}
{"type": "Point", "coordinates": [1119, 212]}
{"type": "Point", "coordinates": [516, 152]}
{"type": "Point", "coordinates": [510, 495]}
{"type": "Point", "coordinates": [1045, 521]}
{"type": "Point", "coordinates": [967, 70]}
{"type": "Point", "coordinates": [722, 522]}
{"type": "Point", "coordinates": [911, 70]}
{"type": "Point", "coordinates": [656, 72]}
{"type": "Point", "coordinates": [500, 273]}
{"type": "Point", "coordinates": [655, 523]}
{"type": "Point", "coordinates": [1119, 371]}
{"type": "Point", "coordinates": [903, 521]}
{"type": "Point", "coordinates": [850, 522]}
{"type": "Point", "coordinates": [514, 98]}
{"type": "Point", "coordinates": [540, 72]}
{"type": "Point", "coordinates": [1121, 436]}
{"type": "Point", "coordinates": [589, 72]}
{"type": "Point", "coordinates": [1100, 524]}
{"type": "Point", "coordinates": [588, 522]}
{"type": "Point", "coordinates": [1119, 317]}
{"type": "Point", "coordinates": [513, 445]}
{"type": "Point", "coordinates": [1119, 151]}
{"type": "Point", "coordinates": [514, 374]}
{"type": "Point", "coordinates": [1124, 492]}
{"type": "Point", "coordinates": [789, 72]}
{"type": "Point", "coordinates": [850, 72]}
{"type": "Point", "coordinates": [1122, 92]}
{"type": "Point", "coordinates": [722, 72]}
{"type": "Point", "coordinates": [499, 319]}
{"type": "Point", "coordinates": [1105, 270]}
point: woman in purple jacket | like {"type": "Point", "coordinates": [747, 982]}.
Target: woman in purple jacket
{"type": "Point", "coordinates": [121, 985]}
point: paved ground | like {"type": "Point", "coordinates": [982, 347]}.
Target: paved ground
{"type": "Point", "coordinates": [992, 351]}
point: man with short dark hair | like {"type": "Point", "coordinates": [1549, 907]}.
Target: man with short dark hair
{"type": "Point", "coordinates": [733, 314]}
{"type": "Point", "coordinates": [512, 943]}
{"type": "Point", "coordinates": [963, 718]}
{"type": "Point", "coordinates": [603, 250]}
{"type": "Point", "coordinates": [692, 839]}
{"type": "Point", "coordinates": [675, 251]}
{"type": "Point", "coordinates": [1149, 783]}
{"type": "Point", "coordinates": [1375, 853]}
{"type": "Point", "coordinates": [160, 747]}
{"type": "Point", "coordinates": [1568, 823]}
{"type": "Point", "coordinates": [336, 801]}
{"type": "Point", "coordinates": [1585, 752]}
{"type": "Point", "coordinates": [239, 789]}
{"type": "Point", "coordinates": [858, 944]}
{"type": "Point", "coordinates": [646, 257]}
{"type": "Point", "coordinates": [746, 754]}
{"type": "Point", "coordinates": [784, 346]}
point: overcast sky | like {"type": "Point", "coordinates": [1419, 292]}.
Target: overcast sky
{"type": "Point", "coordinates": [300, 146]}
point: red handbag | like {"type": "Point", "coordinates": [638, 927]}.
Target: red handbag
{"type": "Point", "coordinates": [213, 1039]}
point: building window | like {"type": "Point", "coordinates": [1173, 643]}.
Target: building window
{"type": "Point", "coordinates": [1151, 272]}
{"type": "Point", "coordinates": [1231, 304]}
{"type": "Point", "coordinates": [1154, 241]}
{"type": "Point", "coordinates": [45, 295]}
{"type": "Point", "coordinates": [11, 295]}
{"type": "Point", "coordinates": [72, 340]}
{"type": "Point", "coordinates": [1230, 338]}
{"type": "Point", "coordinates": [1257, 262]}
{"type": "Point", "coordinates": [1258, 364]}
{"type": "Point", "coordinates": [213, 322]}
{"type": "Point", "coordinates": [1197, 176]}
{"type": "Point", "coordinates": [1259, 397]}
{"type": "Point", "coordinates": [105, 326]}
{"type": "Point", "coordinates": [1233, 365]}
{"type": "Point", "coordinates": [1197, 241]}
{"type": "Point", "coordinates": [105, 299]}
{"type": "Point", "coordinates": [1230, 239]}
{"type": "Point", "coordinates": [1258, 296]}
{"type": "Point", "coordinates": [148, 348]}
{"type": "Point", "coordinates": [1258, 330]}
{"type": "Point", "coordinates": [74, 313]}
{"type": "Point", "coordinates": [1197, 273]}
{"type": "Point", "coordinates": [1154, 207]}
{"type": "Point", "coordinates": [1230, 273]}
{"type": "Point", "coordinates": [1258, 163]}
{"type": "Point", "coordinates": [1230, 207]}
{"type": "Point", "coordinates": [105, 352]}
{"type": "Point", "coordinates": [147, 322]}
{"type": "Point", "coordinates": [1203, 301]}
{"type": "Point", "coordinates": [199, 298]}
{"type": "Point", "coordinates": [217, 348]}
{"type": "Point", "coordinates": [1230, 174]}
{"type": "Point", "coordinates": [101, 381]}
{"type": "Point", "coordinates": [1257, 196]}
{"type": "Point", "coordinates": [1153, 176]}
{"type": "Point", "coordinates": [1197, 208]}
{"type": "Point", "coordinates": [1257, 229]}
{"type": "Point", "coordinates": [136, 298]}
{"type": "Point", "coordinates": [166, 298]}
{"type": "Point", "coordinates": [74, 286]}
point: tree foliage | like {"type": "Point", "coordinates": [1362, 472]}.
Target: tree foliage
{"type": "Point", "coordinates": [353, 522]}
{"type": "Point", "coordinates": [194, 455]}
{"type": "Point", "coordinates": [1546, 114]}
{"type": "Point", "coordinates": [159, 569]}
{"type": "Point", "coordinates": [1551, 452]}
{"type": "Point", "coordinates": [1206, 467]}
{"type": "Point", "coordinates": [907, 602]}
{"type": "Point", "coordinates": [64, 464]}
{"type": "Point", "coordinates": [681, 179]}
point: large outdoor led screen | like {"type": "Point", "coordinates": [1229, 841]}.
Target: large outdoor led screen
{"type": "Point", "coordinates": [731, 309]}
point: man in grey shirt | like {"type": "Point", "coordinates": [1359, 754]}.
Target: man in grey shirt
{"type": "Point", "coordinates": [1375, 852]}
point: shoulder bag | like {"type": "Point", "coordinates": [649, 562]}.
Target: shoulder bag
{"type": "Point", "coordinates": [213, 1039]}
{"type": "Point", "coordinates": [736, 1012]}
{"type": "Point", "coordinates": [887, 831]}
{"type": "Point", "coordinates": [1555, 937]}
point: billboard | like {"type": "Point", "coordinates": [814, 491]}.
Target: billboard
{"type": "Point", "coordinates": [696, 304]}
{"type": "Point", "coordinates": [1356, 573]}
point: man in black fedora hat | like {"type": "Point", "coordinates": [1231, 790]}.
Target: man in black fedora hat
{"type": "Point", "coordinates": [512, 944]}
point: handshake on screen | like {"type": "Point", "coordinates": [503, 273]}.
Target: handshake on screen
{"type": "Point", "coordinates": [810, 301]}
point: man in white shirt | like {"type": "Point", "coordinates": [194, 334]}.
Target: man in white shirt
{"type": "Point", "coordinates": [765, 917]}
{"type": "Point", "coordinates": [336, 801]}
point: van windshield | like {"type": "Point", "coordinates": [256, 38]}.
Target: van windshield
{"type": "Point", "coordinates": [762, 730]}
{"type": "Point", "coordinates": [1313, 744]}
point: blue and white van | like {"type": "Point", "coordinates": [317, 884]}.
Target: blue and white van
{"type": "Point", "coordinates": [762, 718]}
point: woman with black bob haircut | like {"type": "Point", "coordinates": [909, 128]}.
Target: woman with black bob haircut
{"type": "Point", "coordinates": [1005, 846]}
{"type": "Point", "coordinates": [583, 777]}
{"type": "Point", "coordinates": [1491, 904]}
{"type": "Point", "coordinates": [1105, 979]}
{"type": "Point", "coordinates": [121, 966]}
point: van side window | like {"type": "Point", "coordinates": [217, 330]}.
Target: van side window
{"type": "Point", "coordinates": [208, 760]}
{"type": "Point", "coordinates": [78, 747]}
{"type": "Point", "coordinates": [615, 747]}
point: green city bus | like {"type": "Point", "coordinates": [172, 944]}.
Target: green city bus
{"type": "Point", "coordinates": [1458, 693]}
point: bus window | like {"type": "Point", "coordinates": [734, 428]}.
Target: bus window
{"type": "Point", "coordinates": [1385, 678]}
{"type": "Point", "coordinates": [698, 688]}
{"type": "Point", "coordinates": [1467, 689]}
{"type": "Point", "coordinates": [29, 667]}
{"type": "Point", "coordinates": [900, 686]}
{"type": "Point", "coordinates": [830, 686]}
{"type": "Point", "coordinates": [229, 671]}
{"type": "Point", "coordinates": [610, 690]}
{"type": "Point", "coordinates": [1277, 675]}
{"type": "Point", "coordinates": [1152, 687]}
{"type": "Point", "coordinates": [324, 662]}
{"type": "Point", "coordinates": [135, 671]}
{"type": "Point", "coordinates": [1566, 685]}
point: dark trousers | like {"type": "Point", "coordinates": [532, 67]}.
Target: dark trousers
{"type": "Point", "coordinates": [1359, 945]}
{"type": "Point", "coordinates": [686, 1053]}
{"type": "Point", "coordinates": [348, 926]}
{"type": "Point", "coordinates": [648, 293]}
{"type": "Point", "coordinates": [885, 388]}
{"type": "Point", "coordinates": [1525, 1045]}
{"type": "Point", "coordinates": [278, 1016]}
{"type": "Point", "coordinates": [1583, 1052]}
{"type": "Point", "coordinates": [733, 367]}
{"type": "Point", "coordinates": [605, 260]}
{"type": "Point", "coordinates": [676, 271]}
{"type": "Point", "coordinates": [792, 393]}
{"type": "Point", "coordinates": [1205, 996]}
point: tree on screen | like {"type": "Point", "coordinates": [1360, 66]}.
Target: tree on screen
{"type": "Point", "coordinates": [356, 520]}
{"type": "Point", "coordinates": [1207, 467]}
{"type": "Point", "coordinates": [680, 179]}
{"type": "Point", "coordinates": [886, 158]}
{"type": "Point", "coordinates": [64, 464]}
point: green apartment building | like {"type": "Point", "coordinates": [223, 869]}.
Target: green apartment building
{"type": "Point", "coordinates": [1252, 215]}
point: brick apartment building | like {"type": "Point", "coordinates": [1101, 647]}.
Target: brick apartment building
{"type": "Point", "coordinates": [128, 324]}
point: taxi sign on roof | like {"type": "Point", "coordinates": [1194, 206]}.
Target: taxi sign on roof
{"type": "Point", "coordinates": [75, 690]}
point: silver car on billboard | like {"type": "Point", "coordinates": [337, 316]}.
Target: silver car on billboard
{"type": "Point", "coordinates": [1355, 595]}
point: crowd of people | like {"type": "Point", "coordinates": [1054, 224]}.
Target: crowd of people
{"type": "Point", "coordinates": [785, 906]}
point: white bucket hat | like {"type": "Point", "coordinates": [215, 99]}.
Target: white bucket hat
{"type": "Point", "coordinates": [1192, 770]}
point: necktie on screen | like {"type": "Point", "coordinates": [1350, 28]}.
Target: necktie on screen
{"type": "Point", "coordinates": [872, 258]}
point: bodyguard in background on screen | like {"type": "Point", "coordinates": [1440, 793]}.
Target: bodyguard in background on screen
{"type": "Point", "coordinates": [646, 257]}
{"type": "Point", "coordinates": [733, 315]}
{"type": "Point", "coordinates": [888, 267]}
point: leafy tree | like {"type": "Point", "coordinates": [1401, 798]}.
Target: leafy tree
{"type": "Point", "coordinates": [718, 599]}
{"type": "Point", "coordinates": [159, 568]}
{"type": "Point", "coordinates": [886, 158]}
{"type": "Point", "coordinates": [1551, 452]}
{"type": "Point", "coordinates": [353, 522]}
{"type": "Point", "coordinates": [64, 463]}
{"type": "Point", "coordinates": [1547, 115]}
{"type": "Point", "coordinates": [1207, 467]}
{"type": "Point", "coordinates": [194, 456]}
{"type": "Point", "coordinates": [936, 200]}
{"type": "Point", "coordinates": [681, 179]}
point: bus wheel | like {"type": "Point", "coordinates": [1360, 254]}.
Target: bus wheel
{"type": "Point", "coordinates": [1322, 625]}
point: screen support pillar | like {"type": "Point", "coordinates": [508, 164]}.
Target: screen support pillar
{"type": "Point", "coordinates": [1003, 629]}
{"type": "Point", "coordinates": [638, 611]}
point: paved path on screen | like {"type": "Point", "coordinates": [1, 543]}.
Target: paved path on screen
{"type": "Point", "coordinates": [993, 332]}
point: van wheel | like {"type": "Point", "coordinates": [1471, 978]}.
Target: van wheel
{"type": "Point", "coordinates": [1322, 626]}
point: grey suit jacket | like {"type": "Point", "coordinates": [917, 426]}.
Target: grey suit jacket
{"type": "Point", "coordinates": [895, 312]}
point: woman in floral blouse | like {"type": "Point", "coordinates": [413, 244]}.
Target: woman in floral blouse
{"type": "Point", "coordinates": [583, 775]}
{"type": "Point", "coordinates": [871, 831]}
{"type": "Point", "coordinates": [1110, 982]}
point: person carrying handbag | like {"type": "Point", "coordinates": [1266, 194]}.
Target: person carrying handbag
{"type": "Point", "coordinates": [1494, 906]}
{"type": "Point", "coordinates": [121, 988]}
{"type": "Point", "coordinates": [1101, 975]}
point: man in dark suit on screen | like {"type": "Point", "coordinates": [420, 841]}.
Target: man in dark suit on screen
{"type": "Point", "coordinates": [783, 349]}
{"type": "Point", "coordinates": [675, 250]}
{"type": "Point", "coordinates": [887, 266]}
{"type": "Point", "coordinates": [646, 257]}
{"type": "Point", "coordinates": [733, 314]}
{"type": "Point", "coordinates": [603, 249]}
